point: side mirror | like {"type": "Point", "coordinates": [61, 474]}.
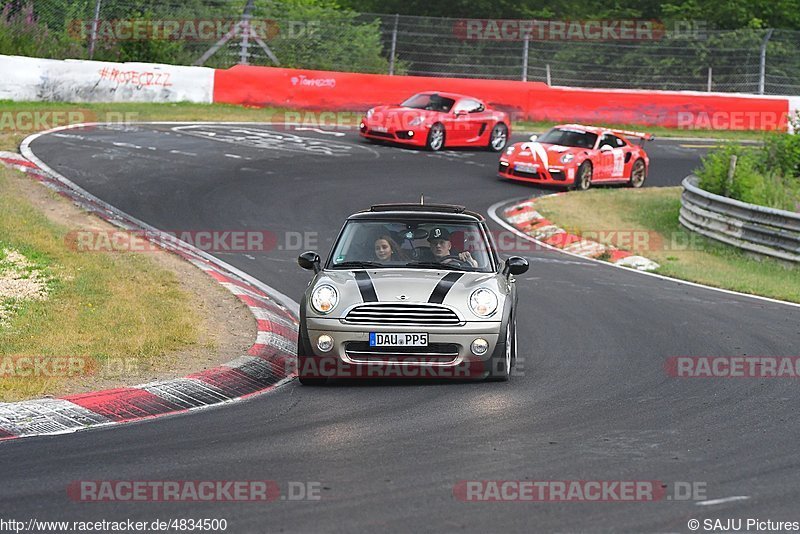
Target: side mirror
{"type": "Point", "coordinates": [516, 265]}
{"type": "Point", "coordinates": [309, 261]}
{"type": "Point", "coordinates": [534, 137]}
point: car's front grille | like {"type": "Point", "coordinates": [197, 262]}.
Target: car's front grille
{"type": "Point", "coordinates": [403, 314]}
{"type": "Point", "coordinates": [432, 353]}
{"type": "Point", "coordinates": [387, 135]}
{"type": "Point", "coordinates": [523, 174]}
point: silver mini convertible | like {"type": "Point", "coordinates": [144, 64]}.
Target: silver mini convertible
{"type": "Point", "coordinates": [409, 290]}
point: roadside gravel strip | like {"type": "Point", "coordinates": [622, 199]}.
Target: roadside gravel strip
{"type": "Point", "coordinates": [269, 363]}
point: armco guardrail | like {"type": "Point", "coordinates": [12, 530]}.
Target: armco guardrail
{"type": "Point", "coordinates": [753, 228]}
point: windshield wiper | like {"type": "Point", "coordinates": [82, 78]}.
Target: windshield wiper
{"type": "Point", "coordinates": [434, 265]}
{"type": "Point", "coordinates": [357, 264]}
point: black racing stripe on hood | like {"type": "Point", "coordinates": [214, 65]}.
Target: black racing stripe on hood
{"type": "Point", "coordinates": [365, 287]}
{"type": "Point", "coordinates": [443, 287]}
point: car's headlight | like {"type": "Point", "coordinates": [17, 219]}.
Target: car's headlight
{"type": "Point", "coordinates": [510, 150]}
{"type": "Point", "coordinates": [416, 121]}
{"type": "Point", "coordinates": [566, 158]}
{"type": "Point", "coordinates": [370, 112]}
{"type": "Point", "coordinates": [324, 299]}
{"type": "Point", "coordinates": [483, 302]}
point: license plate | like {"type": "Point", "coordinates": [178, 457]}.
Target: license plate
{"type": "Point", "coordinates": [526, 167]}
{"type": "Point", "coordinates": [377, 339]}
{"type": "Point", "coordinates": [381, 129]}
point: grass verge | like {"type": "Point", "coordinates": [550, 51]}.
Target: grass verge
{"type": "Point", "coordinates": [646, 222]}
{"type": "Point", "coordinates": [100, 307]}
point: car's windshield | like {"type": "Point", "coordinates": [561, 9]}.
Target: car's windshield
{"type": "Point", "coordinates": [430, 102]}
{"type": "Point", "coordinates": [567, 137]}
{"type": "Point", "coordinates": [415, 244]}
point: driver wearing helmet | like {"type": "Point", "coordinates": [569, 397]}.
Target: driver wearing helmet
{"type": "Point", "coordinates": [439, 239]}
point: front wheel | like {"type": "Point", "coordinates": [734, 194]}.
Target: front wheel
{"type": "Point", "coordinates": [436, 137]}
{"type": "Point", "coordinates": [583, 180]}
{"type": "Point", "coordinates": [498, 138]}
{"type": "Point", "coordinates": [500, 364]}
{"type": "Point", "coordinates": [638, 174]}
{"type": "Point", "coordinates": [308, 370]}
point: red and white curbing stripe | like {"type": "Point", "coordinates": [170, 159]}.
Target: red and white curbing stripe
{"type": "Point", "coordinates": [524, 217]}
{"type": "Point", "coordinates": [270, 362]}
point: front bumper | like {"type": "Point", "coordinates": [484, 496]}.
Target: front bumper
{"type": "Point", "coordinates": [448, 354]}
{"type": "Point", "coordinates": [554, 174]}
{"type": "Point", "coordinates": [413, 136]}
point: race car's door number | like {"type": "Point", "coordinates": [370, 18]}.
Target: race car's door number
{"type": "Point", "coordinates": [376, 339]}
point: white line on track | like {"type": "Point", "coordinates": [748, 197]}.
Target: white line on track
{"type": "Point", "coordinates": [326, 132]}
{"type": "Point", "coordinates": [723, 501]}
{"type": "Point", "coordinates": [492, 212]}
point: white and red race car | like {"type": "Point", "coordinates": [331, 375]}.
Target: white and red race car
{"type": "Point", "coordinates": [577, 156]}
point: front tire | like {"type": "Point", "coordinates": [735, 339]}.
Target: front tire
{"type": "Point", "coordinates": [638, 174]}
{"type": "Point", "coordinates": [307, 369]}
{"type": "Point", "coordinates": [498, 139]}
{"type": "Point", "coordinates": [583, 179]}
{"type": "Point", "coordinates": [500, 364]}
{"type": "Point", "coordinates": [436, 137]}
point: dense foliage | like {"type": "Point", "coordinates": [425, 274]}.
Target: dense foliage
{"type": "Point", "coordinates": [47, 28]}
{"type": "Point", "coordinates": [720, 14]}
{"type": "Point", "coordinates": [768, 175]}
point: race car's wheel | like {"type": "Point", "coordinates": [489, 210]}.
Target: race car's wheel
{"type": "Point", "coordinates": [583, 179]}
{"type": "Point", "coordinates": [499, 137]}
{"type": "Point", "coordinates": [638, 173]}
{"type": "Point", "coordinates": [307, 369]}
{"type": "Point", "coordinates": [436, 137]}
{"type": "Point", "coordinates": [500, 364]}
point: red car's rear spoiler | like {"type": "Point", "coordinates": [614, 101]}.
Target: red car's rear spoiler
{"type": "Point", "coordinates": [630, 133]}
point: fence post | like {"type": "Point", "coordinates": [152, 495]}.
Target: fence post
{"type": "Point", "coordinates": [245, 28]}
{"type": "Point", "coordinates": [95, 22]}
{"type": "Point", "coordinates": [709, 80]}
{"type": "Point", "coordinates": [394, 44]}
{"type": "Point", "coordinates": [525, 59]}
{"type": "Point", "coordinates": [763, 62]}
{"type": "Point", "coordinates": [547, 68]}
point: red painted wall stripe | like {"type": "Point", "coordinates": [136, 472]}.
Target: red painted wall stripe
{"type": "Point", "coordinates": [327, 90]}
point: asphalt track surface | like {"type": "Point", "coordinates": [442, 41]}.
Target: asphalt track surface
{"type": "Point", "coordinates": [589, 401]}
